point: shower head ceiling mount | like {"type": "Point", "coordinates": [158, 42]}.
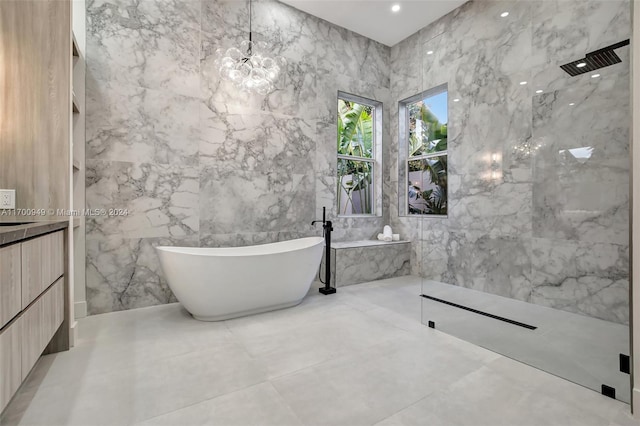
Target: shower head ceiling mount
{"type": "Point", "coordinates": [595, 60]}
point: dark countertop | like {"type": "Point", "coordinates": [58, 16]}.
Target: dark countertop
{"type": "Point", "coordinates": [14, 234]}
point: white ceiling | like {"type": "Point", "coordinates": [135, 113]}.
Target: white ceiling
{"type": "Point", "coordinates": [374, 18]}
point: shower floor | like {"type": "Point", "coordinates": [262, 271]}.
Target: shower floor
{"type": "Point", "coordinates": [582, 349]}
{"type": "Point", "coordinates": [359, 357]}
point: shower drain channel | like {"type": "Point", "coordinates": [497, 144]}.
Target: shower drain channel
{"type": "Point", "coordinates": [486, 314]}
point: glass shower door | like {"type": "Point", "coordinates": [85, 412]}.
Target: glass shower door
{"type": "Point", "coordinates": [532, 259]}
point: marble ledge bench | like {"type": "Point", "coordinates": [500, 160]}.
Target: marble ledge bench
{"type": "Point", "coordinates": [354, 262]}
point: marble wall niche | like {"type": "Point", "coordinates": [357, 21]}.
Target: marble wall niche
{"type": "Point", "coordinates": [195, 162]}
{"type": "Point", "coordinates": [551, 228]}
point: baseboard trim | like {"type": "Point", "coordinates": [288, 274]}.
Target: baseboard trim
{"type": "Point", "coordinates": [636, 403]}
{"type": "Point", "coordinates": [73, 334]}
{"type": "Point", "coordinates": [80, 309]}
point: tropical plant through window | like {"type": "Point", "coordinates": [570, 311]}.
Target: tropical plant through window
{"type": "Point", "coordinates": [355, 157]}
{"type": "Point", "coordinates": [427, 156]}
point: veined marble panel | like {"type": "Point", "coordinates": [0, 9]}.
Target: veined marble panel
{"type": "Point", "coordinates": [504, 103]}
{"type": "Point", "coordinates": [489, 183]}
{"type": "Point", "coordinates": [582, 277]}
{"type": "Point", "coordinates": [152, 44]}
{"type": "Point", "coordinates": [326, 158]}
{"type": "Point", "coordinates": [160, 200]}
{"type": "Point", "coordinates": [434, 254]}
{"type": "Point", "coordinates": [288, 31]}
{"type": "Point", "coordinates": [369, 60]}
{"type": "Point", "coordinates": [348, 229]}
{"type": "Point", "coordinates": [554, 116]}
{"type": "Point", "coordinates": [434, 29]}
{"type": "Point", "coordinates": [361, 264]}
{"type": "Point", "coordinates": [254, 201]}
{"type": "Point", "coordinates": [406, 68]}
{"type": "Point", "coordinates": [477, 32]}
{"type": "Point", "coordinates": [390, 188]}
{"type": "Point", "coordinates": [125, 273]}
{"type": "Point", "coordinates": [581, 171]}
{"type": "Point", "coordinates": [500, 265]}
{"type": "Point", "coordinates": [501, 209]}
{"type": "Point", "coordinates": [437, 67]}
{"type": "Point", "coordinates": [410, 228]}
{"type": "Point", "coordinates": [392, 162]}
{"type": "Point", "coordinates": [565, 30]}
{"type": "Point", "coordinates": [134, 124]}
{"type": "Point", "coordinates": [225, 19]}
{"type": "Point", "coordinates": [326, 189]}
{"type": "Point", "coordinates": [234, 139]}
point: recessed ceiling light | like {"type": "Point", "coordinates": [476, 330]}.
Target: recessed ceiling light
{"type": "Point", "coordinates": [395, 8]}
{"type": "Point", "coordinates": [572, 104]}
{"type": "Point", "coordinates": [504, 14]}
{"type": "Point", "coordinates": [581, 64]}
{"type": "Point", "coordinates": [539, 91]}
{"type": "Point", "coordinates": [522, 83]}
{"type": "Point", "coordinates": [430, 52]}
{"type": "Point", "coordinates": [456, 100]}
{"type": "Point", "coordinates": [595, 76]}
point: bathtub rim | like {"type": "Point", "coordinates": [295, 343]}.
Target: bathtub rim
{"type": "Point", "coordinates": [238, 251]}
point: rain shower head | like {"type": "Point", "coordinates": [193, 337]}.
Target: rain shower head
{"type": "Point", "coordinates": [595, 60]}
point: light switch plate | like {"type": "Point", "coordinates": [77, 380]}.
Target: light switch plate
{"type": "Point", "coordinates": [7, 198]}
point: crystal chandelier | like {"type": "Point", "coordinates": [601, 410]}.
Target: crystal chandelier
{"type": "Point", "coordinates": [250, 67]}
{"type": "Point", "coordinates": [526, 148]}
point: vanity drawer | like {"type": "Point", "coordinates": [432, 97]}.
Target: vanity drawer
{"type": "Point", "coordinates": [39, 323]}
{"type": "Point", "coordinates": [10, 362]}
{"type": "Point", "coordinates": [42, 264]}
{"type": "Point", "coordinates": [10, 283]}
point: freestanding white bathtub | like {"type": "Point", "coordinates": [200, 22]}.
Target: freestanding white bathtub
{"type": "Point", "coordinates": [215, 284]}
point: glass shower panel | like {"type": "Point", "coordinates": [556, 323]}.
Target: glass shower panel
{"type": "Point", "coordinates": [532, 260]}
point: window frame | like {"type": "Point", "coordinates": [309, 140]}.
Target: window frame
{"type": "Point", "coordinates": [404, 158]}
{"type": "Point", "coordinates": [376, 154]}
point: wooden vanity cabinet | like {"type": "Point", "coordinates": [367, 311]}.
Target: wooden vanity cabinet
{"type": "Point", "coordinates": [10, 283]}
{"type": "Point", "coordinates": [32, 308]}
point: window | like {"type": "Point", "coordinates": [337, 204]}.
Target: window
{"type": "Point", "coordinates": [359, 138]}
{"type": "Point", "coordinates": [423, 121]}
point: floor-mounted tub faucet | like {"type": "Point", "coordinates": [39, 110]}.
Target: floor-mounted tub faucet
{"type": "Point", "coordinates": [326, 231]}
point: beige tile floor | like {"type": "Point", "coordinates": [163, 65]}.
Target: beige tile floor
{"type": "Point", "coordinates": [358, 357]}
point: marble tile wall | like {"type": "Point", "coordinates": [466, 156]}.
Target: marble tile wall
{"type": "Point", "coordinates": [194, 162]}
{"type": "Point", "coordinates": [355, 265]}
{"type": "Point", "coordinates": [552, 229]}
